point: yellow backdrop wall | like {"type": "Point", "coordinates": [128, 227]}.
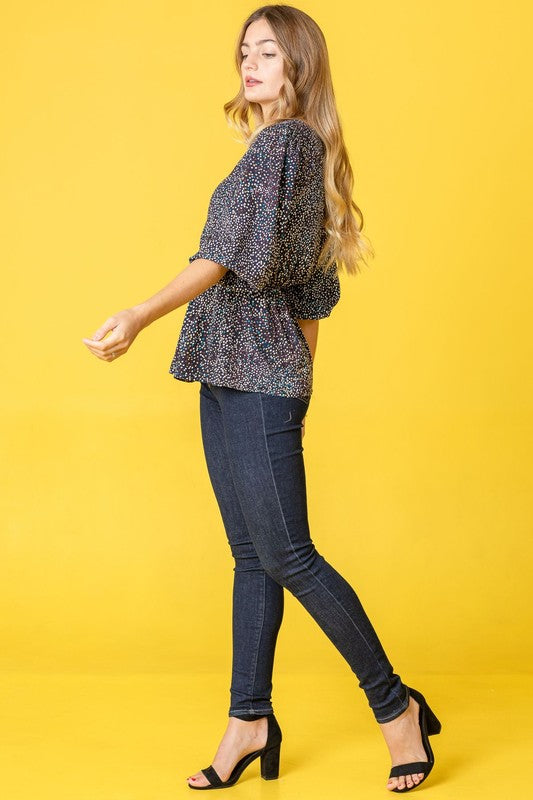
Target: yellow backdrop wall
{"type": "Point", "coordinates": [418, 437]}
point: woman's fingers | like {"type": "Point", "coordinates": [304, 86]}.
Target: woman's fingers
{"type": "Point", "coordinates": [105, 346]}
{"type": "Point", "coordinates": [109, 325]}
{"type": "Point", "coordinates": [122, 329]}
{"type": "Point", "coordinates": [105, 349]}
{"type": "Point", "coordinates": [108, 355]}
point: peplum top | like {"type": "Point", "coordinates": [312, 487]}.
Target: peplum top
{"type": "Point", "coordinates": [265, 225]}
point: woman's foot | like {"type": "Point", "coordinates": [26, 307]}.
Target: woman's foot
{"type": "Point", "coordinates": [240, 738]}
{"type": "Point", "coordinates": [404, 740]}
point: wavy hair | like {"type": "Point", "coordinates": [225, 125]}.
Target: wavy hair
{"type": "Point", "coordinates": [307, 94]}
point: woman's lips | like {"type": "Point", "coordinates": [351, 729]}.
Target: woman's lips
{"type": "Point", "coordinates": [251, 82]}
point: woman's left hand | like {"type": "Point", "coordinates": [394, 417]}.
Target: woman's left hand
{"type": "Point", "coordinates": [122, 327]}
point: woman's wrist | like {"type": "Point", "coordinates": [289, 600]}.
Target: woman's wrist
{"type": "Point", "coordinates": [141, 314]}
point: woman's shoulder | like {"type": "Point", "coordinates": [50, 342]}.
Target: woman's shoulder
{"type": "Point", "coordinates": [284, 130]}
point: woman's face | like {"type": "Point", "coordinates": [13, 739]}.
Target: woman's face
{"type": "Point", "coordinates": [262, 61]}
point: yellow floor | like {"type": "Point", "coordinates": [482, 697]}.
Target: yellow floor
{"type": "Point", "coordinates": [136, 737]}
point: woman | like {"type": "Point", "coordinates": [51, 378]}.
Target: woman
{"type": "Point", "coordinates": [264, 275]}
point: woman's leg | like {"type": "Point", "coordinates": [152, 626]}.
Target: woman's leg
{"type": "Point", "coordinates": [257, 598]}
{"type": "Point", "coordinates": [263, 447]}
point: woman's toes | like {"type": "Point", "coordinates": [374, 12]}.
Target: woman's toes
{"type": "Point", "coordinates": [396, 783]}
{"type": "Point", "coordinates": [405, 780]}
{"type": "Point", "coordinates": [198, 779]}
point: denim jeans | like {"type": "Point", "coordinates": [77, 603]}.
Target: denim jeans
{"type": "Point", "coordinates": [253, 449]}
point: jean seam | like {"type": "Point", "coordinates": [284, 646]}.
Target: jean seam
{"type": "Point", "coordinates": [258, 643]}
{"type": "Point", "coordinates": [296, 554]}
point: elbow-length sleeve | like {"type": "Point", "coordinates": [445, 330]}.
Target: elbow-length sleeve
{"type": "Point", "coordinates": [246, 216]}
{"type": "Point", "coordinates": [316, 298]}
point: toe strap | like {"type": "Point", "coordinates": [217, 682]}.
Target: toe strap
{"type": "Point", "coordinates": [409, 769]}
{"type": "Point", "coordinates": [212, 776]}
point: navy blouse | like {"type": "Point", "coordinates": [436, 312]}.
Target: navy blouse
{"type": "Point", "coordinates": [265, 224]}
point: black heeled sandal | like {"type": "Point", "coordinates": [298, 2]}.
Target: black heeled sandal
{"type": "Point", "coordinates": [269, 760]}
{"type": "Point", "coordinates": [429, 725]}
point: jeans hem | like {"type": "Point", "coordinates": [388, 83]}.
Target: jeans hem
{"type": "Point", "coordinates": [257, 713]}
{"type": "Point", "coordinates": [394, 714]}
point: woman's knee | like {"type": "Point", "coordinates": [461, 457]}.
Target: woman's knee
{"type": "Point", "coordinates": [290, 568]}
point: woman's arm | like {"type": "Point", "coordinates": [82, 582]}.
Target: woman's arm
{"type": "Point", "coordinates": [198, 276]}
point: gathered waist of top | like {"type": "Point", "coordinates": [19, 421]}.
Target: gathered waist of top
{"type": "Point", "coordinates": [247, 290]}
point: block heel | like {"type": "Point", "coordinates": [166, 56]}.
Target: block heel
{"type": "Point", "coordinates": [270, 762]}
{"type": "Point", "coordinates": [432, 723]}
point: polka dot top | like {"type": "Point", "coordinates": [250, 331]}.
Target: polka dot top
{"type": "Point", "coordinates": [265, 226]}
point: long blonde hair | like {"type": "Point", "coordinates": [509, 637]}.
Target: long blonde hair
{"type": "Point", "coordinates": [307, 94]}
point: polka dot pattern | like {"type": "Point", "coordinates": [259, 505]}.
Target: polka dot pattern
{"type": "Point", "coordinates": [265, 226]}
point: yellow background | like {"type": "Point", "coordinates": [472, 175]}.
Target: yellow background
{"type": "Point", "coordinates": [418, 437]}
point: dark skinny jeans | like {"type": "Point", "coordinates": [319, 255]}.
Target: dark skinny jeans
{"type": "Point", "coordinates": [253, 448]}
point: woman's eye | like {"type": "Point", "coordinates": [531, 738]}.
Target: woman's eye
{"type": "Point", "coordinates": [271, 55]}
